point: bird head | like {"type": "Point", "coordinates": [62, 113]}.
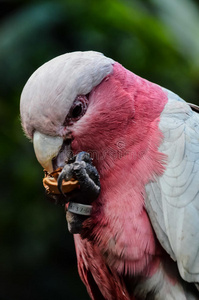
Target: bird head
{"type": "Point", "coordinates": [56, 98]}
{"type": "Point", "coordinates": [83, 101]}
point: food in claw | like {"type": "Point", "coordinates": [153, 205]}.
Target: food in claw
{"type": "Point", "coordinates": [51, 186]}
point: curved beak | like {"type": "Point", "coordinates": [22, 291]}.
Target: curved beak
{"type": "Point", "coordinates": [46, 148]}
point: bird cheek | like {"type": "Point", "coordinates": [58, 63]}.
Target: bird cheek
{"type": "Point", "coordinates": [65, 132]}
{"type": "Point", "coordinates": [75, 146]}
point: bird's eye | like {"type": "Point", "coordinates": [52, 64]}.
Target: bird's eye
{"type": "Point", "coordinates": [77, 110]}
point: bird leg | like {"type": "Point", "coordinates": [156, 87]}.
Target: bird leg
{"type": "Point", "coordinates": [80, 168]}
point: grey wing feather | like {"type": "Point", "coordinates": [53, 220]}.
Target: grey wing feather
{"type": "Point", "coordinates": [172, 201]}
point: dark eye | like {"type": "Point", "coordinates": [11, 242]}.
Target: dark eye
{"type": "Point", "coordinates": [77, 110]}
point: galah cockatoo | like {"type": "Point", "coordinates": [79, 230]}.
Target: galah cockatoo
{"type": "Point", "coordinates": [136, 147]}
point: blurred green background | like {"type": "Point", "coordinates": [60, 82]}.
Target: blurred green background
{"type": "Point", "coordinates": [156, 39]}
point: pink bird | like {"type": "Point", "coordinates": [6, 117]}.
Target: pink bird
{"type": "Point", "coordinates": [136, 226]}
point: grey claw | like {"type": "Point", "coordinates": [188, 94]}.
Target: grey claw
{"type": "Point", "coordinates": [83, 156]}
{"type": "Point", "coordinates": [66, 174]}
{"type": "Point", "coordinates": [59, 182]}
{"type": "Point", "coordinates": [81, 168]}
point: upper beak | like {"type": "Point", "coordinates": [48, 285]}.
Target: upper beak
{"type": "Point", "coordinates": [46, 148]}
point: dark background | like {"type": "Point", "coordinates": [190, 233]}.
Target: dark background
{"type": "Point", "coordinates": [156, 39]}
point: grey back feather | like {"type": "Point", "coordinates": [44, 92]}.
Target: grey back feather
{"type": "Point", "coordinates": [173, 200]}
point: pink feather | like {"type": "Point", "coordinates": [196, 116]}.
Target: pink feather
{"type": "Point", "coordinates": [118, 238]}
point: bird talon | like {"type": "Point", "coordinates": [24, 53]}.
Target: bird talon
{"type": "Point", "coordinates": [59, 182]}
{"type": "Point", "coordinates": [66, 174]}
{"type": "Point", "coordinates": [80, 168]}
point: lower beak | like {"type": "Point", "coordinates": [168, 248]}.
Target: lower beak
{"type": "Point", "coordinates": [46, 149]}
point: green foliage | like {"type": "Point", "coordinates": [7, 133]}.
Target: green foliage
{"type": "Point", "coordinates": [156, 39]}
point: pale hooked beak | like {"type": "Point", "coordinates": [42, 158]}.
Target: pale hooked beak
{"type": "Point", "coordinates": [46, 148]}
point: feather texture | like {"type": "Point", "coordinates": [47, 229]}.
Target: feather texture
{"type": "Point", "coordinates": [52, 88]}
{"type": "Point", "coordinates": [172, 200]}
{"type": "Point", "coordinates": [144, 141]}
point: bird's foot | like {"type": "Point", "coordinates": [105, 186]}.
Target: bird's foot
{"type": "Point", "coordinates": [80, 168]}
{"type": "Point", "coordinates": [79, 208]}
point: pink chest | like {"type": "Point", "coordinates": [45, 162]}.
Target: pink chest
{"type": "Point", "coordinates": [120, 225]}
